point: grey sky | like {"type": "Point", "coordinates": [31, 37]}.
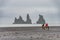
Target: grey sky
{"type": "Point", "coordinates": [26, 3]}
{"type": "Point", "coordinates": [9, 9]}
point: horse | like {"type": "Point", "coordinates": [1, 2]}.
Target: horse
{"type": "Point", "coordinates": [45, 26]}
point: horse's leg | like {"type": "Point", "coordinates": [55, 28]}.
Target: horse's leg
{"type": "Point", "coordinates": [43, 27]}
{"type": "Point", "coordinates": [48, 27]}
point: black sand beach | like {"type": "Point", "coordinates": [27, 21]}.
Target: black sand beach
{"type": "Point", "coordinates": [29, 33]}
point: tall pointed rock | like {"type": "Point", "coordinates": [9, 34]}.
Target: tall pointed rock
{"type": "Point", "coordinates": [15, 21]}
{"type": "Point", "coordinates": [20, 20]}
{"type": "Point", "coordinates": [28, 21]}
{"type": "Point", "coordinates": [41, 20]}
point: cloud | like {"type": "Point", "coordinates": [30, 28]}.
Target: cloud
{"type": "Point", "coordinates": [20, 10]}
{"type": "Point", "coordinates": [15, 12]}
{"type": "Point", "coordinates": [26, 3]}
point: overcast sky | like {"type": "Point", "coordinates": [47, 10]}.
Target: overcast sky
{"type": "Point", "coordinates": [9, 9]}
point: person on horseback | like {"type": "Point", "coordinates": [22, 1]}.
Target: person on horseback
{"type": "Point", "coordinates": [45, 26]}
